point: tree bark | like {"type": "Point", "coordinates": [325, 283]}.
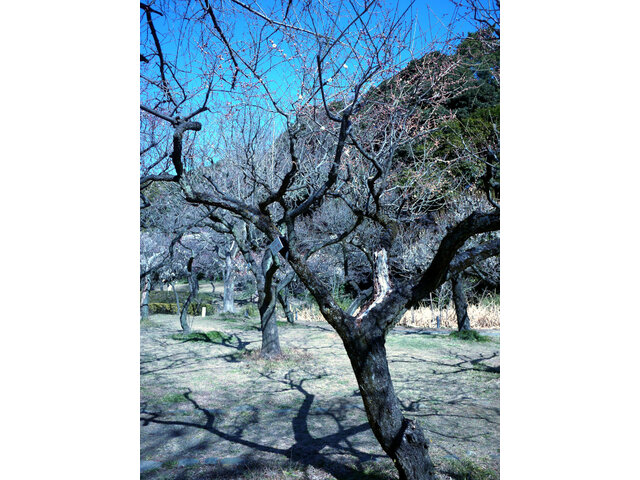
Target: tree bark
{"type": "Point", "coordinates": [460, 302]}
{"type": "Point", "coordinates": [213, 293]}
{"type": "Point", "coordinates": [193, 293]}
{"type": "Point", "coordinates": [175, 292]}
{"type": "Point", "coordinates": [229, 281]}
{"type": "Point", "coordinates": [144, 302]}
{"type": "Point", "coordinates": [267, 307]}
{"type": "Point", "coordinates": [402, 439]}
{"type": "Point", "coordinates": [283, 297]}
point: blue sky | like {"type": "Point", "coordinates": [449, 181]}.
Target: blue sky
{"type": "Point", "coordinates": [431, 20]}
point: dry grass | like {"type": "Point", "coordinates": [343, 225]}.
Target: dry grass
{"type": "Point", "coordinates": [288, 356]}
{"type": "Point", "coordinates": [301, 415]}
{"type": "Point", "coordinates": [481, 316]}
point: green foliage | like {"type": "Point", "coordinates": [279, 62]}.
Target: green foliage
{"type": "Point", "coordinates": [466, 469]}
{"type": "Point", "coordinates": [470, 335]}
{"type": "Point", "coordinates": [480, 55]}
{"type": "Point", "coordinates": [167, 308]}
{"type": "Point", "coordinates": [452, 158]}
{"type": "Point", "coordinates": [251, 310]}
{"type": "Point", "coordinates": [167, 296]}
{"type": "Point", "coordinates": [170, 308]}
{"type": "Point", "coordinates": [342, 299]}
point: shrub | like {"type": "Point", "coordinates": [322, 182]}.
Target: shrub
{"type": "Point", "coordinates": [170, 308]}
{"type": "Point", "coordinates": [167, 296]}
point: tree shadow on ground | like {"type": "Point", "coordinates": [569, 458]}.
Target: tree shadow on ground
{"type": "Point", "coordinates": [190, 358]}
{"type": "Point", "coordinates": [306, 450]}
{"type": "Point", "coordinates": [179, 360]}
{"type": "Point", "coordinates": [475, 364]}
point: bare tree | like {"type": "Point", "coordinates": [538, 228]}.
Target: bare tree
{"type": "Point", "coordinates": [264, 265]}
{"type": "Point", "coordinates": [338, 141]}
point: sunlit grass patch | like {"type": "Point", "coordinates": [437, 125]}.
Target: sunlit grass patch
{"type": "Point", "coordinates": [172, 398]}
{"type": "Point", "coordinates": [148, 323]}
{"type": "Point", "coordinates": [466, 469]}
{"type": "Point", "coordinates": [469, 335]}
{"type": "Point", "coordinates": [420, 342]}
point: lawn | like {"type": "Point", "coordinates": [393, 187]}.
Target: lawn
{"type": "Point", "coordinates": [211, 408]}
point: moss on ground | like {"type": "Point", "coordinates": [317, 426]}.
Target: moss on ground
{"type": "Point", "coordinates": [469, 335]}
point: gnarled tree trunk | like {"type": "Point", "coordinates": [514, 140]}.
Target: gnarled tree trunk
{"type": "Point", "coordinates": [144, 301]}
{"type": "Point", "coordinates": [283, 298]}
{"type": "Point", "coordinates": [175, 292]}
{"type": "Point", "coordinates": [460, 302]}
{"type": "Point", "coordinates": [267, 307]}
{"type": "Point", "coordinates": [213, 292]}
{"type": "Point", "coordinates": [402, 439]}
{"type": "Point", "coordinates": [193, 293]}
{"type": "Point", "coordinates": [229, 281]}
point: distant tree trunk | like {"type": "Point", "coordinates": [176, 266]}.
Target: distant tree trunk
{"type": "Point", "coordinates": [360, 299]}
{"type": "Point", "coordinates": [175, 292]}
{"type": "Point", "coordinates": [229, 280]}
{"type": "Point", "coordinates": [267, 307]}
{"type": "Point", "coordinates": [283, 298]}
{"type": "Point", "coordinates": [144, 302]}
{"type": "Point", "coordinates": [460, 302]}
{"type": "Point", "coordinates": [402, 439]}
{"type": "Point", "coordinates": [213, 292]}
{"type": "Point", "coordinates": [193, 293]}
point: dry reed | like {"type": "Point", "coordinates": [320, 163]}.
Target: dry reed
{"type": "Point", "coordinates": [480, 316]}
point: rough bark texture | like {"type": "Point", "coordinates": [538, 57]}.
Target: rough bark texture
{"type": "Point", "coordinates": [193, 293]}
{"type": "Point", "coordinates": [213, 293]}
{"type": "Point", "coordinates": [283, 298]}
{"type": "Point", "coordinates": [229, 284]}
{"type": "Point", "coordinates": [401, 439]}
{"type": "Point", "coordinates": [460, 302]}
{"type": "Point", "coordinates": [381, 283]}
{"type": "Point", "coordinates": [267, 307]}
{"type": "Point", "coordinates": [175, 292]}
{"type": "Point", "coordinates": [144, 302]}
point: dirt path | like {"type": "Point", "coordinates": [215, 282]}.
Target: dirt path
{"type": "Point", "coordinates": [208, 408]}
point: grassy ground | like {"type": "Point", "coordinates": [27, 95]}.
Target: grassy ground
{"type": "Point", "coordinates": [208, 397]}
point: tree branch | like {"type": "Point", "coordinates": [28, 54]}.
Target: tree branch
{"type": "Point", "coordinates": [477, 222]}
{"type": "Point", "coordinates": [474, 255]}
{"type": "Point", "coordinates": [207, 7]}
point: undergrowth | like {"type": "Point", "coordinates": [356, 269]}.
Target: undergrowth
{"type": "Point", "coordinates": [466, 469]}
{"type": "Point", "coordinates": [470, 335]}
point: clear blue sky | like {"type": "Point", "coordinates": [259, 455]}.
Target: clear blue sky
{"type": "Point", "coordinates": [432, 21]}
